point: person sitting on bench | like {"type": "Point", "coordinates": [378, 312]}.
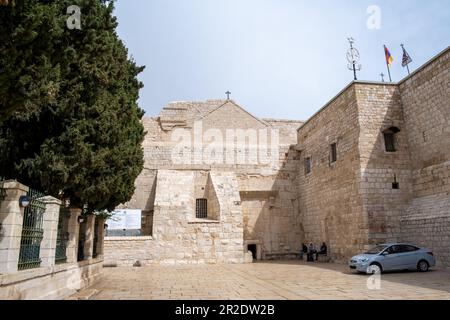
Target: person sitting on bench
{"type": "Point", "coordinates": [323, 251]}
{"type": "Point", "coordinates": [311, 251]}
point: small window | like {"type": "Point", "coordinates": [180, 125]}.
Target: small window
{"type": "Point", "coordinates": [395, 184]}
{"type": "Point", "coordinates": [201, 209]}
{"type": "Point", "coordinates": [333, 153]}
{"type": "Point", "coordinates": [389, 139]}
{"type": "Point", "coordinates": [308, 165]}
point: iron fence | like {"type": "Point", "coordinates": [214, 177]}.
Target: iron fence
{"type": "Point", "coordinates": [82, 240]}
{"type": "Point", "coordinates": [94, 250]}
{"type": "Point", "coordinates": [63, 236]}
{"type": "Point", "coordinates": [2, 190]}
{"type": "Point", "coordinates": [32, 232]}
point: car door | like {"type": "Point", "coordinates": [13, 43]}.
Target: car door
{"type": "Point", "coordinates": [392, 260]}
{"type": "Point", "coordinates": [409, 257]}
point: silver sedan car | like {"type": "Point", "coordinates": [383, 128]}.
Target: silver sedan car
{"type": "Point", "coordinates": [393, 256]}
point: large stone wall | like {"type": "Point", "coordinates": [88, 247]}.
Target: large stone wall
{"type": "Point", "coordinates": [50, 283]}
{"type": "Point", "coordinates": [178, 236]}
{"type": "Point", "coordinates": [351, 204]}
{"type": "Point", "coordinates": [331, 207]}
{"type": "Point", "coordinates": [426, 108]}
{"type": "Point", "coordinates": [380, 108]}
{"type": "Point", "coordinates": [273, 176]}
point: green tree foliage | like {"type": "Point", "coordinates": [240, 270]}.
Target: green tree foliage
{"type": "Point", "coordinates": [68, 100]}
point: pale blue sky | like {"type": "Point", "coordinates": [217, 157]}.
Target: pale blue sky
{"type": "Point", "coordinates": [279, 58]}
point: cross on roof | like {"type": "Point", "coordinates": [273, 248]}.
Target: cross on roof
{"type": "Point", "coordinates": [228, 93]}
{"type": "Point", "coordinates": [382, 76]}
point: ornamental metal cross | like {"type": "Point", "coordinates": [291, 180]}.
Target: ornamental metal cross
{"type": "Point", "coordinates": [228, 95]}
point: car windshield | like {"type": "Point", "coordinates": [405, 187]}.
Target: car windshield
{"type": "Point", "coordinates": [376, 250]}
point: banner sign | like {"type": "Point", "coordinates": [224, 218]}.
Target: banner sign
{"type": "Point", "coordinates": [128, 219]}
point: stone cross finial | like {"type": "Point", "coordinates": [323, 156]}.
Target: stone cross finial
{"type": "Point", "coordinates": [228, 93]}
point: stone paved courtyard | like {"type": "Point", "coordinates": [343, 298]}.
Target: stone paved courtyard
{"type": "Point", "coordinates": [268, 280]}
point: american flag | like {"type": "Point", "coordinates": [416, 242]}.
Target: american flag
{"type": "Point", "coordinates": [406, 58]}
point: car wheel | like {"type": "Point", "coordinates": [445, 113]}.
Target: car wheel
{"type": "Point", "coordinates": [374, 269]}
{"type": "Point", "coordinates": [423, 266]}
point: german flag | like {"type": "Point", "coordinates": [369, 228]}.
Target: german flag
{"type": "Point", "coordinates": [389, 58]}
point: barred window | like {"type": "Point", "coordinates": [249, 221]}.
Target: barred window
{"type": "Point", "coordinates": [201, 208]}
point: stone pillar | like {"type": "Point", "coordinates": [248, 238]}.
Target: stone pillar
{"type": "Point", "coordinates": [50, 226]}
{"type": "Point", "coordinates": [74, 232]}
{"type": "Point", "coordinates": [100, 236]}
{"type": "Point", "coordinates": [11, 220]}
{"type": "Point", "coordinates": [89, 243]}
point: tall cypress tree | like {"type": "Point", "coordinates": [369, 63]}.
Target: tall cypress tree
{"type": "Point", "coordinates": [71, 122]}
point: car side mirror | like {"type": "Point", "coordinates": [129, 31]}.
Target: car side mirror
{"type": "Point", "coordinates": [385, 253]}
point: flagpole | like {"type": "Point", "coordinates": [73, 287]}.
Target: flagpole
{"type": "Point", "coordinates": [404, 53]}
{"type": "Point", "coordinates": [387, 64]}
{"type": "Point", "coordinates": [389, 71]}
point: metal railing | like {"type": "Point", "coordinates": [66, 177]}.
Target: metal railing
{"type": "Point", "coordinates": [94, 250]}
{"type": "Point", "coordinates": [63, 236]}
{"type": "Point", "coordinates": [81, 241]}
{"type": "Point", "coordinates": [2, 190]}
{"type": "Point", "coordinates": [32, 232]}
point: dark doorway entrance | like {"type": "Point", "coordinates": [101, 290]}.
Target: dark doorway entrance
{"type": "Point", "coordinates": [253, 249]}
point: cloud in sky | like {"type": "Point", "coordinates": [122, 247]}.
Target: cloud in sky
{"type": "Point", "coordinates": [279, 58]}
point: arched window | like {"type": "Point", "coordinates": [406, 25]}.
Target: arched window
{"type": "Point", "coordinates": [390, 139]}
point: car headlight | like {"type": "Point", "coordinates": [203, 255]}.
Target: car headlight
{"type": "Point", "coordinates": [364, 260]}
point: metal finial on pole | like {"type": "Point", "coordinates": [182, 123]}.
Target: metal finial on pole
{"type": "Point", "coordinates": [228, 93]}
{"type": "Point", "coordinates": [353, 58]}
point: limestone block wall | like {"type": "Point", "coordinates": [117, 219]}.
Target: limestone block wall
{"type": "Point", "coordinates": [127, 251]}
{"type": "Point", "coordinates": [426, 108]}
{"type": "Point", "coordinates": [426, 105]}
{"type": "Point", "coordinates": [189, 239]}
{"type": "Point", "coordinates": [50, 283]}
{"type": "Point", "coordinates": [270, 212]}
{"type": "Point", "coordinates": [380, 108]}
{"type": "Point", "coordinates": [330, 203]}
{"type": "Point", "coordinates": [178, 236]}
{"type": "Point", "coordinates": [273, 176]}
{"type": "Point", "coordinates": [427, 224]}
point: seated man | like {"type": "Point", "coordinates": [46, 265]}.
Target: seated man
{"type": "Point", "coordinates": [323, 251]}
{"type": "Point", "coordinates": [311, 251]}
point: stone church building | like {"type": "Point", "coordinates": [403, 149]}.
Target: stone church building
{"type": "Point", "coordinates": [220, 185]}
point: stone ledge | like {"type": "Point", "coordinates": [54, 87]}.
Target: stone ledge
{"type": "Point", "coordinates": [129, 238]}
{"type": "Point", "coordinates": [203, 221]}
{"type": "Point", "coordinates": [21, 276]}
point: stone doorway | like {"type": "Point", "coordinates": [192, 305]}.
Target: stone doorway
{"type": "Point", "coordinates": [253, 249]}
{"type": "Point", "coordinates": [254, 246]}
